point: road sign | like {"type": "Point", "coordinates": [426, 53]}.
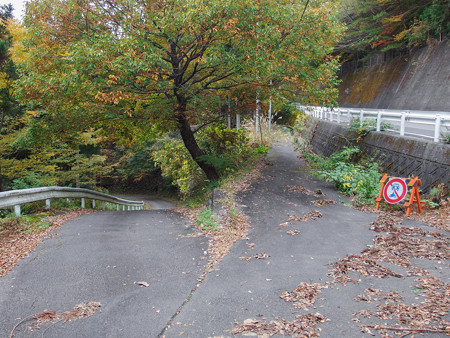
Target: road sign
{"type": "Point", "coordinates": [395, 190]}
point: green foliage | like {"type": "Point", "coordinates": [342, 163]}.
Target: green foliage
{"type": "Point", "coordinates": [227, 150]}
{"type": "Point", "coordinates": [380, 25]}
{"type": "Point", "coordinates": [178, 166]}
{"type": "Point", "coordinates": [445, 137]}
{"type": "Point", "coordinates": [134, 64]}
{"type": "Point", "coordinates": [206, 221]}
{"type": "Point", "coordinates": [350, 174]}
{"type": "Point", "coordinates": [31, 180]}
{"type": "Point", "coordinates": [368, 125]}
{"type": "Point", "coordinates": [26, 224]}
{"type": "Point", "coordinates": [287, 115]}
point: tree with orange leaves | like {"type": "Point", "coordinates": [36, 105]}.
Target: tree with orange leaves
{"type": "Point", "coordinates": [127, 66]}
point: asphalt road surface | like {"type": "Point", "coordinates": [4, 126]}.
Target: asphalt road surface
{"type": "Point", "coordinates": [102, 257]}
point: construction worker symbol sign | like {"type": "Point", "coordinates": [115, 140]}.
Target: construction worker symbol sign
{"type": "Point", "coordinates": [395, 190]}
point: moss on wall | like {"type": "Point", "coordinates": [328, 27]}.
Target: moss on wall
{"type": "Point", "coordinates": [419, 81]}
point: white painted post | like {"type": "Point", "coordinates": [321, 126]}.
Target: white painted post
{"type": "Point", "coordinates": [437, 128]}
{"type": "Point", "coordinates": [338, 115]}
{"type": "Point", "coordinates": [110, 206]}
{"type": "Point", "coordinates": [402, 124]}
{"type": "Point", "coordinates": [238, 121]}
{"type": "Point", "coordinates": [257, 116]}
{"type": "Point", "coordinates": [17, 210]}
{"type": "Point", "coordinates": [379, 121]}
{"type": "Point", "coordinates": [321, 113]}
{"type": "Point", "coordinates": [349, 116]}
{"type": "Point", "coordinates": [118, 207]}
{"type": "Point", "coordinates": [361, 118]}
{"type": "Point", "coordinates": [67, 200]}
{"type": "Point", "coordinates": [103, 205]}
{"type": "Point", "coordinates": [47, 203]}
{"type": "Point", "coordinates": [129, 208]}
{"type": "Point", "coordinates": [93, 204]}
{"type": "Point", "coordinates": [270, 111]}
{"type": "Point", "coordinates": [82, 203]}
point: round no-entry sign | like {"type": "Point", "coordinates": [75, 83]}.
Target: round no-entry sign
{"type": "Point", "coordinates": [395, 190]}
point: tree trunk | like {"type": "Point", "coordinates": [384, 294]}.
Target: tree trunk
{"type": "Point", "coordinates": [192, 146]}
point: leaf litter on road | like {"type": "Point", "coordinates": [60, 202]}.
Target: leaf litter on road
{"type": "Point", "coordinates": [79, 311]}
{"type": "Point", "coordinates": [16, 243]}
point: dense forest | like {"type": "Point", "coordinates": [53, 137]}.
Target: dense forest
{"type": "Point", "coordinates": [137, 94]}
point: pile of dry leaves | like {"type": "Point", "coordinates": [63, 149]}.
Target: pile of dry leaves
{"type": "Point", "coordinates": [79, 311]}
{"type": "Point", "coordinates": [302, 326]}
{"type": "Point", "coordinates": [399, 245]}
{"type": "Point", "coordinates": [16, 243]}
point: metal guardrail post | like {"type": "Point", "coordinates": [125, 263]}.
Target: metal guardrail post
{"type": "Point", "coordinates": [379, 114]}
{"type": "Point", "coordinates": [437, 128]}
{"type": "Point", "coordinates": [402, 124]}
{"type": "Point", "coordinates": [17, 210]}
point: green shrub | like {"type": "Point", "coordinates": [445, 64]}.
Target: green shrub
{"type": "Point", "coordinates": [350, 174]}
{"type": "Point", "coordinates": [178, 166]}
{"type": "Point", "coordinates": [368, 125]}
{"type": "Point", "coordinates": [226, 149]}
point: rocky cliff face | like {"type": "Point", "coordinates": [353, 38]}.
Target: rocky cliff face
{"type": "Point", "coordinates": [420, 81]}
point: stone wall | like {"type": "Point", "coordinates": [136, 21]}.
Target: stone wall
{"type": "Point", "coordinates": [398, 156]}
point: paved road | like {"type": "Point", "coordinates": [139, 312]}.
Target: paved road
{"type": "Point", "coordinates": [153, 203]}
{"type": "Point", "coordinates": [99, 257]}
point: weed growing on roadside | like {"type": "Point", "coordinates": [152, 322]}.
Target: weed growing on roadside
{"type": "Point", "coordinates": [364, 128]}
{"type": "Point", "coordinates": [350, 174]}
{"type": "Point", "coordinates": [207, 221]}
{"type": "Point", "coordinates": [26, 224]}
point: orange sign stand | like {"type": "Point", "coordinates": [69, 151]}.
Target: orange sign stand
{"type": "Point", "coordinates": [413, 182]}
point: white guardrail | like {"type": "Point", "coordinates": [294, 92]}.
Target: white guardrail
{"type": "Point", "coordinates": [424, 124]}
{"type": "Point", "coordinates": [16, 198]}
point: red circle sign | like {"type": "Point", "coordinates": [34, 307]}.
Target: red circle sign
{"type": "Point", "coordinates": [395, 190]}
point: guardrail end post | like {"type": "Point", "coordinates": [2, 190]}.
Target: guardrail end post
{"type": "Point", "coordinates": [47, 203]}
{"type": "Point", "coordinates": [17, 210]}
{"type": "Point", "coordinates": [83, 203]}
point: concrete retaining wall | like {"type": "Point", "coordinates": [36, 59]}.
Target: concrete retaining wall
{"type": "Point", "coordinates": [415, 82]}
{"type": "Point", "coordinates": [398, 156]}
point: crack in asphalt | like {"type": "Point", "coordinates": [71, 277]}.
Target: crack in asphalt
{"type": "Point", "coordinates": [200, 280]}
